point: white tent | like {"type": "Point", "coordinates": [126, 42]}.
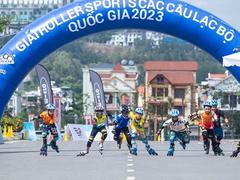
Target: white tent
{"type": "Point", "coordinates": [231, 60]}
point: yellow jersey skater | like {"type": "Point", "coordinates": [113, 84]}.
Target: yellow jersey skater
{"type": "Point", "coordinates": [99, 126]}
{"type": "Point", "coordinates": [137, 130]}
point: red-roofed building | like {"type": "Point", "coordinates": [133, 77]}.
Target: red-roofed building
{"type": "Point", "coordinates": [170, 84]}
{"type": "Point", "coordinates": [119, 83]}
{"type": "Point", "coordinates": [214, 79]}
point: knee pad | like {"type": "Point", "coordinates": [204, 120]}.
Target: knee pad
{"type": "Point", "coordinates": [134, 136]}
{"type": "Point", "coordinates": [172, 145]}
{"type": "Point", "coordinates": [205, 134]}
{"type": "Point", "coordinates": [186, 140]}
{"type": "Point", "coordinates": [44, 135]}
{"type": "Point", "coordinates": [55, 137]}
{"type": "Point", "coordinates": [116, 138]}
{"type": "Point", "coordinates": [219, 138]}
{"type": "Point", "coordinates": [171, 137]}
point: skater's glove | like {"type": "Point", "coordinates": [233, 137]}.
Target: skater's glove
{"type": "Point", "coordinates": [159, 132]}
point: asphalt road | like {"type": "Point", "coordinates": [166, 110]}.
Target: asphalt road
{"type": "Point", "coordinates": [20, 160]}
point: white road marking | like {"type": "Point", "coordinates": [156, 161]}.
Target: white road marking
{"type": "Point", "coordinates": [131, 178]}
{"type": "Point", "coordinates": [130, 170]}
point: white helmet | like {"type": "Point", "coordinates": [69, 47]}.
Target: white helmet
{"type": "Point", "coordinates": [50, 106]}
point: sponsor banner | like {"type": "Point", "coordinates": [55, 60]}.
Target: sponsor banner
{"type": "Point", "coordinates": [29, 131]}
{"type": "Point", "coordinates": [1, 136]}
{"type": "Point", "coordinates": [58, 117]}
{"type": "Point", "coordinates": [3, 71]}
{"type": "Point", "coordinates": [79, 132]}
{"type": "Point", "coordinates": [88, 119]}
{"type": "Point", "coordinates": [98, 92]}
{"type": "Point", "coordinates": [45, 84]}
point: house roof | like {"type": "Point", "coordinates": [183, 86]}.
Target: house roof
{"type": "Point", "coordinates": [174, 77]}
{"type": "Point", "coordinates": [117, 68]}
{"type": "Point", "coordinates": [131, 75]}
{"type": "Point", "coordinates": [102, 66]}
{"type": "Point", "coordinates": [171, 65]}
{"type": "Point", "coordinates": [105, 76]}
{"type": "Point", "coordinates": [216, 76]}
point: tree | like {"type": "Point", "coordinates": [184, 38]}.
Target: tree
{"type": "Point", "coordinates": [4, 21]}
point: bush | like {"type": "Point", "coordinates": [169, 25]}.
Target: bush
{"type": "Point", "coordinates": [16, 122]}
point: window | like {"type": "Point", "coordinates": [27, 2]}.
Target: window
{"type": "Point", "coordinates": [179, 93]}
{"type": "Point", "coordinates": [160, 79]}
{"type": "Point", "coordinates": [109, 98]}
{"type": "Point", "coordinates": [238, 99]}
{"type": "Point", "coordinates": [166, 92]}
{"type": "Point", "coordinates": [114, 82]}
{"type": "Point", "coordinates": [225, 99]}
{"type": "Point", "coordinates": [233, 101]}
{"type": "Point", "coordinates": [159, 92]}
{"type": "Point", "coordinates": [32, 99]}
{"type": "Point", "coordinates": [162, 109]}
{"type": "Point", "coordinates": [153, 92]}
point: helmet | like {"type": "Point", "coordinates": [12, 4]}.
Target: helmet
{"type": "Point", "coordinates": [124, 108]}
{"type": "Point", "coordinates": [174, 113]}
{"type": "Point", "coordinates": [50, 106]}
{"type": "Point", "coordinates": [214, 103]}
{"type": "Point", "coordinates": [207, 103]}
{"type": "Point", "coordinates": [99, 108]}
{"type": "Point", "coordinates": [139, 111]}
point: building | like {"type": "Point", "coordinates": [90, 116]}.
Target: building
{"type": "Point", "coordinates": [170, 84]}
{"type": "Point", "coordinates": [213, 79]}
{"type": "Point", "coordinates": [207, 89]}
{"type": "Point", "coordinates": [227, 93]}
{"type": "Point", "coordinates": [119, 83]}
{"type": "Point", "coordinates": [31, 100]}
{"type": "Point", "coordinates": [128, 37]}
{"type": "Point", "coordinates": [23, 12]}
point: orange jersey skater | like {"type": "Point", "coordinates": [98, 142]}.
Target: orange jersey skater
{"type": "Point", "coordinates": [206, 120]}
{"type": "Point", "coordinates": [47, 119]}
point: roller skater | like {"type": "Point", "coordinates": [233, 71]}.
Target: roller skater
{"type": "Point", "coordinates": [121, 126]}
{"type": "Point", "coordinates": [99, 126]}
{"type": "Point", "coordinates": [49, 125]}
{"type": "Point", "coordinates": [137, 128]}
{"type": "Point", "coordinates": [179, 130]}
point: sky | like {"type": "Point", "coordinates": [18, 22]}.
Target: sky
{"type": "Point", "coordinates": [227, 10]}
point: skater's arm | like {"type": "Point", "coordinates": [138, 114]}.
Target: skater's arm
{"type": "Point", "coordinates": [166, 123]}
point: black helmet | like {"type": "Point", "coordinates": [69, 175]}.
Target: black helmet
{"type": "Point", "coordinates": [99, 109]}
{"type": "Point", "coordinates": [124, 108]}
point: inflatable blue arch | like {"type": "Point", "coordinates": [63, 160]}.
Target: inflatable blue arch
{"type": "Point", "coordinates": [84, 17]}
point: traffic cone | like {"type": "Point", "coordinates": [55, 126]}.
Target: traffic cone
{"type": "Point", "coordinates": [26, 135]}
{"type": "Point", "coordinates": [5, 131]}
{"type": "Point", "coordinates": [124, 137]}
{"type": "Point", "coordinates": [10, 132]}
{"type": "Point", "coordinates": [66, 136]}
